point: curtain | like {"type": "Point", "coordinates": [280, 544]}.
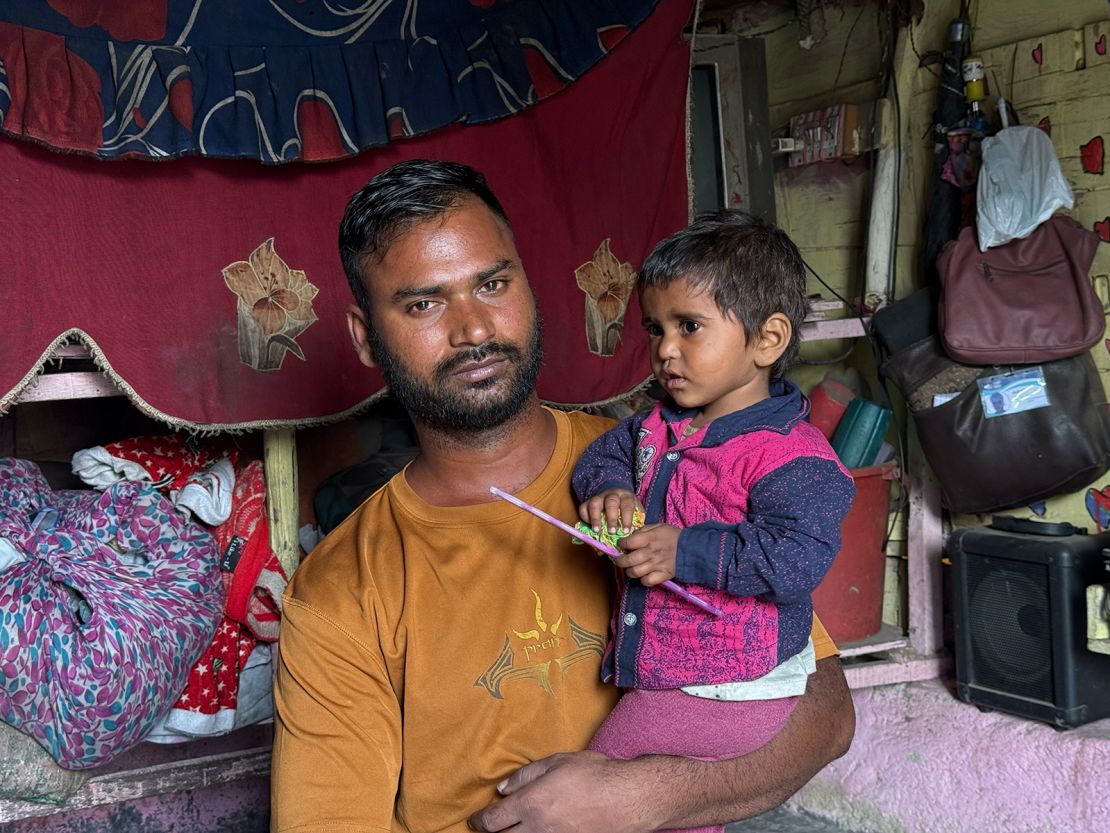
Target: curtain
{"type": "Point", "coordinates": [211, 289]}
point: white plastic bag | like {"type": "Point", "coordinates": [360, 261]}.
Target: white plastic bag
{"type": "Point", "coordinates": [1020, 185]}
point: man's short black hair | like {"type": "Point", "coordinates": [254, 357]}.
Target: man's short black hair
{"type": "Point", "coordinates": [751, 268]}
{"type": "Point", "coordinates": [396, 198]}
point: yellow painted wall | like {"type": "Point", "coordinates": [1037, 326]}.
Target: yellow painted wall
{"type": "Point", "coordinates": [825, 207]}
{"type": "Point", "coordinates": [825, 210]}
{"type": "Point", "coordinates": [1064, 77]}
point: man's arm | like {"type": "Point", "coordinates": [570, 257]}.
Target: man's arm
{"type": "Point", "coordinates": [585, 791]}
{"type": "Point", "coordinates": [337, 729]}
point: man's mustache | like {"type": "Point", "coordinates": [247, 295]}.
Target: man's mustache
{"type": "Point", "coordinates": [493, 349]}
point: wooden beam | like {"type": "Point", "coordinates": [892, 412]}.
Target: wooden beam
{"type": "Point", "coordinates": [925, 542]}
{"type": "Point", "coordinates": [280, 458]}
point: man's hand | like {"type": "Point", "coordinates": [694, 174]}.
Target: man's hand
{"type": "Point", "coordinates": [650, 554]}
{"type": "Point", "coordinates": [583, 792]}
{"type": "Point", "coordinates": [573, 792]}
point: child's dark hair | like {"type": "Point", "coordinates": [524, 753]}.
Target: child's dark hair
{"type": "Point", "coordinates": [750, 267]}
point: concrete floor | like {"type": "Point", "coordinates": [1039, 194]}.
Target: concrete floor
{"type": "Point", "coordinates": [785, 820]}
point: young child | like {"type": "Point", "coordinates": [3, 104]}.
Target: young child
{"type": "Point", "coordinates": [742, 498]}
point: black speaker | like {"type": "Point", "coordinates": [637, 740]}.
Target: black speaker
{"type": "Point", "coordinates": [1019, 616]}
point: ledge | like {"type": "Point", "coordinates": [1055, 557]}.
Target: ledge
{"type": "Point", "coordinates": [155, 769]}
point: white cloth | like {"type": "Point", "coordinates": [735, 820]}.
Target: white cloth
{"type": "Point", "coordinates": [208, 493]}
{"type": "Point", "coordinates": [100, 469]}
{"type": "Point", "coordinates": [10, 554]}
{"type": "Point", "coordinates": [787, 679]}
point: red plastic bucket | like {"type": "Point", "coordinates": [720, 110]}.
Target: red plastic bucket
{"type": "Point", "coordinates": [850, 599]}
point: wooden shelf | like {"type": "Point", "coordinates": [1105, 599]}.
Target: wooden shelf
{"type": "Point", "coordinates": [78, 385]}
{"type": "Point", "coordinates": [887, 657]}
{"type": "Point", "coordinates": [835, 328]}
{"type": "Point", "coordinates": [818, 326]}
{"type": "Point", "coordinates": [58, 383]}
{"type": "Point", "coordinates": [894, 668]}
{"type": "Point", "coordinates": [888, 638]}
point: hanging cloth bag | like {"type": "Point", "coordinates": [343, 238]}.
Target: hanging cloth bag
{"type": "Point", "coordinates": [998, 437]}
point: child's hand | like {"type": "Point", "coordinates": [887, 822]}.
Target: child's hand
{"type": "Point", "coordinates": [612, 508]}
{"type": "Point", "coordinates": [650, 554]}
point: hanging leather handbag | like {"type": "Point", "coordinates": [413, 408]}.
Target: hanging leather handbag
{"type": "Point", "coordinates": [1024, 302]}
{"type": "Point", "coordinates": [1004, 436]}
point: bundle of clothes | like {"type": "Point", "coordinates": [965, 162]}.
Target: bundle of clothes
{"type": "Point", "coordinates": [143, 608]}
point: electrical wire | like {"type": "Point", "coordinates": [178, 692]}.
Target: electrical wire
{"type": "Point", "coordinates": [793, 21]}
{"type": "Point", "coordinates": [904, 492]}
{"type": "Point", "coordinates": [847, 305]}
{"type": "Point", "coordinates": [921, 58]}
{"type": "Point", "coordinates": [899, 429]}
{"type": "Point", "coordinates": [833, 360]}
{"type": "Point", "coordinates": [847, 42]}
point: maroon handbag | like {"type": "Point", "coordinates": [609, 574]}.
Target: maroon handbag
{"type": "Point", "coordinates": [1024, 302]}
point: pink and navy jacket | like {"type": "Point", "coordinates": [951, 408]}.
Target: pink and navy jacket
{"type": "Point", "coordinates": [759, 495]}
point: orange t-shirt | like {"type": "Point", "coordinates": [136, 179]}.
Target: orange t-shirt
{"type": "Point", "coordinates": [480, 627]}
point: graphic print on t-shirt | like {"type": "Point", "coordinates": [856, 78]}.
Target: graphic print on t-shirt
{"type": "Point", "coordinates": [541, 652]}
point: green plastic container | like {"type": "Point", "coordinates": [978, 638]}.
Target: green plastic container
{"type": "Point", "coordinates": [860, 433]}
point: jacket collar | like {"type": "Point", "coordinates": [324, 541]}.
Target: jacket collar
{"type": "Point", "coordinates": [779, 412]}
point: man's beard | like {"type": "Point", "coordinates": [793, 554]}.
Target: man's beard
{"type": "Point", "coordinates": [444, 408]}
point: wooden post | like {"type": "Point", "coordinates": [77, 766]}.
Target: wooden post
{"type": "Point", "coordinates": [280, 457]}
{"type": "Point", "coordinates": [925, 545]}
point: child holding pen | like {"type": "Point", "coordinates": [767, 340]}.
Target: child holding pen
{"type": "Point", "coordinates": [743, 501]}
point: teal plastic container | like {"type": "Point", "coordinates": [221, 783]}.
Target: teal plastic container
{"type": "Point", "coordinates": [860, 433]}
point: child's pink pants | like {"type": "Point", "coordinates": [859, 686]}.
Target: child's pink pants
{"type": "Point", "coordinates": [671, 722]}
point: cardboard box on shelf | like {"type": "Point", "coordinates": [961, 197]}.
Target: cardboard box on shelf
{"type": "Point", "coordinates": [833, 132]}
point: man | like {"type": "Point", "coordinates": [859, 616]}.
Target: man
{"type": "Point", "coordinates": [441, 647]}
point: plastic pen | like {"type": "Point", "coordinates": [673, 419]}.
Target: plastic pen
{"type": "Point", "coordinates": [597, 545]}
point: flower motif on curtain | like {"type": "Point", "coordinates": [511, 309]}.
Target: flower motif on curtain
{"type": "Point", "coordinates": [608, 285]}
{"type": "Point", "coordinates": [274, 307]}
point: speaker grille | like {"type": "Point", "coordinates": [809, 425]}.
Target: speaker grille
{"type": "Point", "coordinates": [1010, 624]}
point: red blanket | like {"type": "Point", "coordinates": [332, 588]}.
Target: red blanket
{"type": "Point", "coordinates": [214, 291]}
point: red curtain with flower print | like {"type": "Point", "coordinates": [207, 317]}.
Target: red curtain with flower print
{"type": "Point", "coordinates": [212, 289]}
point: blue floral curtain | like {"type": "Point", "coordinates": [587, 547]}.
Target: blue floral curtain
{"type": "Point", "coordinates": [284, 80]}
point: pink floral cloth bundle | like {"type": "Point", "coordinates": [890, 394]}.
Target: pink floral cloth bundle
{"type": "Point", "coordinates": [106, 601]}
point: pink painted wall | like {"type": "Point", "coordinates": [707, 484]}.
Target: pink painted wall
{"type": "Point", "coordinates": [925, 762]}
